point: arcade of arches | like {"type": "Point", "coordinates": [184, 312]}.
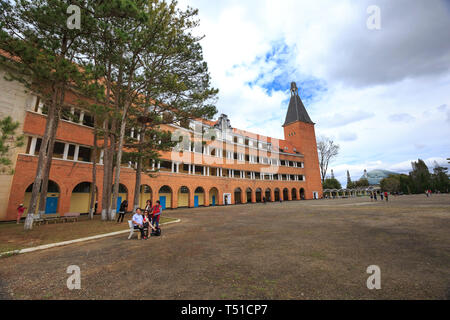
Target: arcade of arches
{"type": "Point", "coordinates": [169, 197]}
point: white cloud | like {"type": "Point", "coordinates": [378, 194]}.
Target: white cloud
{"type": "Point", "coordinates": [401, 117]}
{"type": "Point", "coordinates": [383, 94]}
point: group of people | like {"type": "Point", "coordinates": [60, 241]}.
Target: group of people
{"type": "Point", "coordinates": [146, 218]}
{"type": "Point", "coordinates": [373, 196]}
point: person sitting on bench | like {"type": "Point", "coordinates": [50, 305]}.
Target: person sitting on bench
{"type": "Point", "coordinates": [138, 222]}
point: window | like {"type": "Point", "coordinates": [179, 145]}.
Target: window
{"type": "Point", "coordinates": [58, 150]}
{"type": "Point", "coordinates": [165, 166]}
{"type": "Point", "coordinates": [88, 120]}
{"type": "Point", "coordinates": [84, 154]}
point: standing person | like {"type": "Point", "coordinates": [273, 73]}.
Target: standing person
{"type": "Point", "coordinates": [381, 195]}
{"type": "Point", "coordinates": [157, 210]}
{"type": "Point", "coordinates": [386, 196]}
{"type": "Point", "coordinates": [148, 208]}
{"type": "Point", "coordinates": [138, 222]}
{"type": "Point", "coordinates": [122, 210]}
{"type": "Point", "coordinates": [426, 192]}
{"type": "Point", "coordinates": [375, 196]}
{"type": "Point", "coordinates": [20, 211]}
{"type": "Point", "coordinates": [96, 206]}
{"type": "Point", "coordinates": [371, 197]}
{"type": "Point", "coordinates": [148, 205]}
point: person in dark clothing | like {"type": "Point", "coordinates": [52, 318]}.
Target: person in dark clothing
{"type": "Point", "coordinates": [148, 209]}
{"type": "Point", "coordinates": [122, 210]}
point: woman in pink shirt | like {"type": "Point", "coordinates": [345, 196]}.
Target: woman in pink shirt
{"type": "Point", "coordinates": [20, 211]}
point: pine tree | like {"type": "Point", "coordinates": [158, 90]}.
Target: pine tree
{"type": "Point", "coordinates": [40, 52]}
{"type": "Point", "coordinates": [350, 184]}
{"type": "Point", "coordinates": [149, 51]}
{"type": "Point", "coordinates": [420, 177]}
{"type": "Point", "coordinates": [9, 140]}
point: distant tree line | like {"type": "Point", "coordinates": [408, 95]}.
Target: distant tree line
{"type": "Point", "coordinates": [333, 183]}
{"type": "Point", "coordinates": [418, 180]}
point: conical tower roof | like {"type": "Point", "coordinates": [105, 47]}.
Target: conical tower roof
{"type": "Point", "coordinates": [296, 110]}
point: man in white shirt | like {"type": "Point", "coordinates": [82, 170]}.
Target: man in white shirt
{"type": "Point", "coordinates": [138, 222]}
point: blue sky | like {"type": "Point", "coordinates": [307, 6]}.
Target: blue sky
{"type": "Point", "coordinates": [382, 95]}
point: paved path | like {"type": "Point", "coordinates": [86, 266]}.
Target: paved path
{"type": "Point", "coordinates": [293, 250]}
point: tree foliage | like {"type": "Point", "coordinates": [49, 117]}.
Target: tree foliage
{"type": "Point", "coordinates": [327, 150]}
{"type": "Point", "coordinates": [331, 183]}
{"type": "Point", "coordinates": [125, 52]}
{"type": "Point", "coordinates": [9, 140]}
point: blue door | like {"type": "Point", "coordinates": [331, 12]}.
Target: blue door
{"type": "Point", "coordinates": [119, 202]}
{"type": "Point", "coordinates": [195, 201]}
{"type": "Point", "coordinates": [213, 201]}
{"type": "Point", "coordinates": [51, 205]}
{"type": "Point", "coordinates": [162, 201]}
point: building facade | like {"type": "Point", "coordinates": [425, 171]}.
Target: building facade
{"type": "Point", "coordinates": [214, 164]}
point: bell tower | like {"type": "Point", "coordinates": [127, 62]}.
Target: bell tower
{"type": "Point", "coordinates": [299, 131]}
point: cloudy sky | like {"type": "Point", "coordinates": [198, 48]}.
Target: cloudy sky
{"type": "Point", "coordinates": [382, 95]}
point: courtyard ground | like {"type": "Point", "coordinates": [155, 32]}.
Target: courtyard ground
{"type": "Point", "coordinates": [291, 250]}
{"type": "Point", "coordinates": [14, 237]}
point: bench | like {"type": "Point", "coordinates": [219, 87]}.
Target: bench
{"type": "Point", "coordinates": [45, 219]}
{"type": "Point", "coordinates": [70, 216]}
{"type": "Point", "coordinates": [132, 230]}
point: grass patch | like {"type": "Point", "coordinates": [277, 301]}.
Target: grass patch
{"type": "Point", "coordinates": [14, 237]}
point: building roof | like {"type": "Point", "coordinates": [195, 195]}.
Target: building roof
{"type": "Point", "coordinates": [296, 110]}
{"type": "Point", "coordinates": [375, 176]}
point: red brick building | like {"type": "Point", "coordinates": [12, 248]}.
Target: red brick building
{"type": "Point", "coordinates": [234, 167]}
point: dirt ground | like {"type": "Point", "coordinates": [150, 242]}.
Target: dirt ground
{"type": "Point", "coordinates": [14, 237]}
{"type": "Point", "coordinates": [291, 250]}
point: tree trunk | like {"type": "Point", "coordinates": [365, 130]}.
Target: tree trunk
{"type": "Point", "coordinates": [106, 199]}
{"type": "Point", "coordinates": [94, 176]}
{"type": "Point", "coordinates": [42, 160]}
{"type": "Point", "coordinates": [119, 162]}
{"type": "Point", "coordinates": [107, 150]}
{"type": "Point", "coordinates": [137, 186]}
{"type": "Point", "coordinates": [48, 164]}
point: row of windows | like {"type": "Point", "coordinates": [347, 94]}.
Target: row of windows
{"type": "Point", "coordinates": [192, 169]}
{"type": "Point", "coordinates": [71, 114]}
{"type": "Point", "coordinates": [228, 136]}
{"type": "Point", "coordinates": [221, 153]}
{"type": "Point", "coordinates": [61, 150]}
{"type": "Point", "coordinates": [67, 151]}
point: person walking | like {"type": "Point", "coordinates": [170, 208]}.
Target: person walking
{"type": "Point", "coordinates": [122, 210]}
{"type": "Point", "coordinates": [381, 195]}
{"type": "Point", "coordinates": [375, 196]}
{"type": "Point", "coordinates": [371, 197]}
{"type": "Point", "coordinates": [20, 211]}
{"type": "Point", "coordinates": [386, 196]}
